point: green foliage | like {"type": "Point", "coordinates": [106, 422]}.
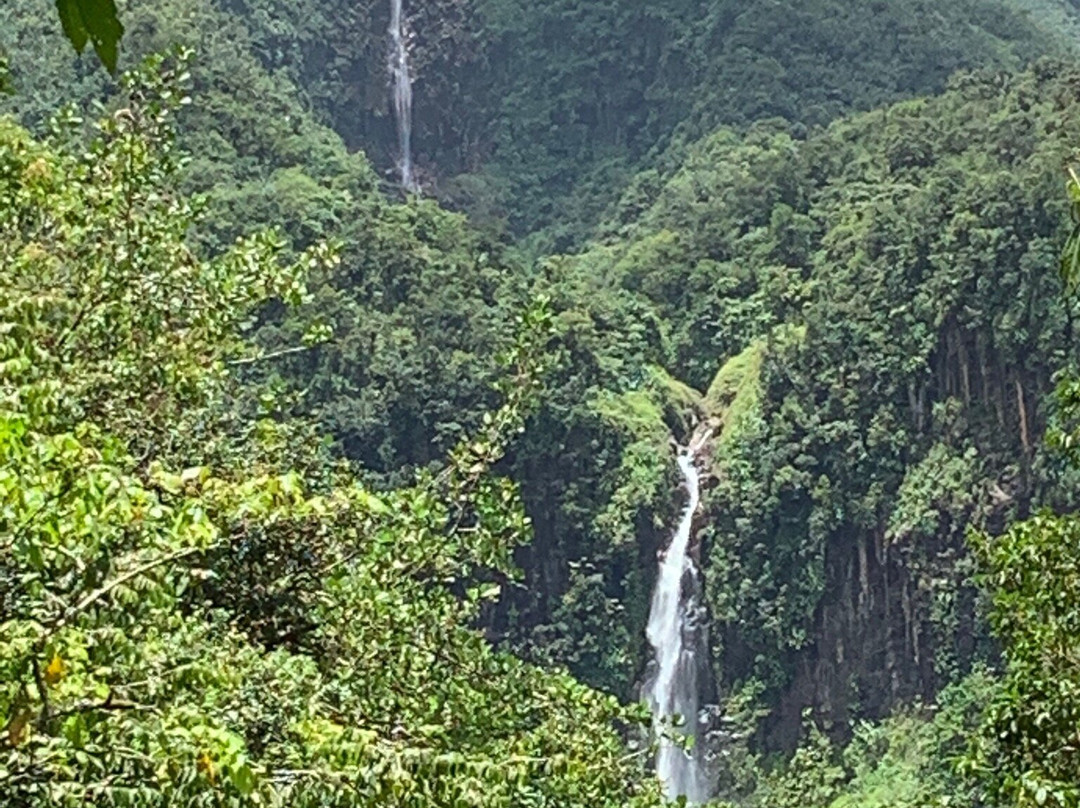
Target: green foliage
{"type": "Point", "coordinates": [1070, 257]}
{"type": "Point", "coordinates": [577, 96]}
{"type": "Point", "coordinates": [535, 116]}
{"type": "Point", "coordinates": [734, 399]}
{"type": "Point", "coordinates": [907, 760]}
{"type": "Point", "coordinates": [419, 305]}
{"type": "Point", "coordinates": [1027, 750]}
{"type": "Point", "coordinates": [910, 759]}
{"type": "Point", "coordinates": [411, 319]}
{"type": "Point", "coordinates": [737, 375]}
{"type": "Point", "coordinates": [420, 308]}
{"type": "Point", "coordinates": [647, 417]}
{"type": "Point", "coordinates": [811, 777]}
{"type": "Point", "coordinates": [186, 618]}
{"type": "Point", "coordinates": [93, 21]}
{"type": "Point", "coordinates": [610, 520]}
{"type": "Point", "coordinates": [867, 300]}
{"type": "Point", "coordinates": [937, 494]}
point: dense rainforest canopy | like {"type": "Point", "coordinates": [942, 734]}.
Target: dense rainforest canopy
{"type": "Point", "coordinates": [316, 493]}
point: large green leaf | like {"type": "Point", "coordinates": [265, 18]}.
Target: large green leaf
{"type": "Point", "coordinates": [92, 21]}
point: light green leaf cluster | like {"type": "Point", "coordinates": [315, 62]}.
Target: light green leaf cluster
{"type": "Point", "coordinates": [1026, 750]}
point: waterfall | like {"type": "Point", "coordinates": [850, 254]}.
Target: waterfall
{"type": "Point", "coordinates": [401, 79]}
{"type": "Point", "coordinates": [676, 633]}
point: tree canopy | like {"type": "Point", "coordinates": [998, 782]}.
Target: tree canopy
{"type": "Point", "coordinates": [200, 607]}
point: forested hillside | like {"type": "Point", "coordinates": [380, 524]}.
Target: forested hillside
{"type": "Point", "coordinates": [533, 116]}
{"type": "Point", "coordinates": [314, 491]}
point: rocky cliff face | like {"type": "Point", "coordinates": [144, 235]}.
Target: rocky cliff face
{"type": "Point", "coordinates": [851, 613]}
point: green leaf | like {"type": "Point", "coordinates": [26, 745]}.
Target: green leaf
{"type": "Point", "coordinates": [71, 22]}
{"type": "Point", "coordinates": [95, 21]}
{"type": "Point", "coordinates": [243, 779]}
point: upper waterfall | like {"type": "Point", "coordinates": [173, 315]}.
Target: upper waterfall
{"type": "Point", "coordinates": [401, 80]}
{"type": "Point", "coordinates": [674, 631]}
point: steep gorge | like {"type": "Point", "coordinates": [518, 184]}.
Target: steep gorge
{"type": "Point", "coordinates": [882, 301]}
{"type": "Point", "coordinates": [869, 300]}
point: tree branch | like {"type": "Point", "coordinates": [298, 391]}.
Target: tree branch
{"type": "Point", "coordinates": [105, 589]}
{"type": "Point", "coordinates": [43, 691]}
{"type": "Point", "coordinates": [251, 360]}
{"type": "Point", "coordinates": [109, 705]}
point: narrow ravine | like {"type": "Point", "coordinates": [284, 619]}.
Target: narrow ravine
{"type": "Point", "coordinates": [676, 633]}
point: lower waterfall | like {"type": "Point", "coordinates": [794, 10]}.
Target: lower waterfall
{"type": "Point", "coordinates": [676, 633]}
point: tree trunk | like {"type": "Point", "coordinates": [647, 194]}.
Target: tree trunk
{"type": "Point", "coordinates": [1023, 417]}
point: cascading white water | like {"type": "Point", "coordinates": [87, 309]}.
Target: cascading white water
{"type": "Point", "coordinates": [675, 634]}
{"type": "Point", "coordinates": [401, 80]}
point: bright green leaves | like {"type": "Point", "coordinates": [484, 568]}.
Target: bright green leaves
{"type": "Point", "coordinates": [144, 319]}
{"type": "Point", "coordinates": [93, 21]}
{"type": "Point", "coordinates": [187, 616]}
{"type": "Point", "coordinates": [1027, 750]}
{"type": "Point", "coordinates": [112, 333]}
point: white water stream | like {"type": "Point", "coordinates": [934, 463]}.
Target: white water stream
{"type": "Point", "coordinates": [674, 633]}
{"type": "Point", "coordinates": [401, 80]}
